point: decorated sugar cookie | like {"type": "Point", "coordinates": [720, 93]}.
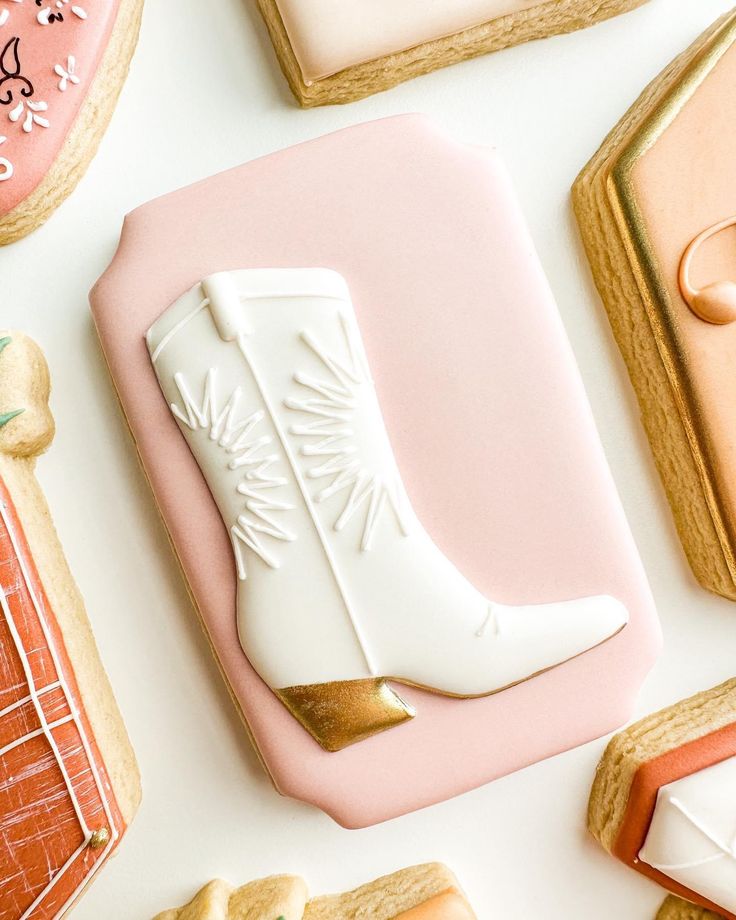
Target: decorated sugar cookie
{"type": "Point", "coordinates": [308, 414]}
{"type": "Point", "coordinates": [338, 52]}
{"type": "Point", "coordinates": [661, 802]}
{"type": "Point", "coordinates": [661, 250]}
{"type": "Point", "coordinates": [428, 892]}
{"type": "Point", "coordinates": [62, 65]}
{"type": "Point", "coordinates": [68, 779]}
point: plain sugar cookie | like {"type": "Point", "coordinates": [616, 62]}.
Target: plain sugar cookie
{"type": "Point", "coordinates": [279, 897]}
{"type": "Point", "coordinates": [427, 892]}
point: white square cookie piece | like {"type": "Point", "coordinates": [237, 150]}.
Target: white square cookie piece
{"type": "Point", "coordinates": [337, 52]}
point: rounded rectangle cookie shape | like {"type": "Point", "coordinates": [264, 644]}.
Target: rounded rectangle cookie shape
{"type": "Point", "coordinates": [453, 311]}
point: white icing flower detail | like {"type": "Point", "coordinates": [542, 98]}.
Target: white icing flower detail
{"type": "Point", "coordinates": [49, 15]}
{"type": "Point", "coordinates": [4, 17]}
{"type": "Point", "coordinates": [6, 167]}
{"type": "Point", "coordinates": [67, 73]}
{"type": "Point", "coordinates": [32, 117]}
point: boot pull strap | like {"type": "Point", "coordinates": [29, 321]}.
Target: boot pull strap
{"type": "Point", "coordinates": [225, 305]}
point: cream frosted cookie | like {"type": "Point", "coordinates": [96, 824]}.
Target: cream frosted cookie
{"type": "Point", "coordinates": [295, 407]}
{"type": "Point", "coordinates": [427, 892]}
{"type": "Point", "coordinates": [662, 800]}
{"type": "Point", "coordinates": [676, 909]}
{"type": "Point", "coordinates": [655, 207]}
{"type": "Point", "coordinates": [338, 52]}
{"type": "Point", "coordinates": [69, 783]}
{"type": "Point", "coordinates": [62, 66]}
{"type": "Point", "coordinates": [279, 897]}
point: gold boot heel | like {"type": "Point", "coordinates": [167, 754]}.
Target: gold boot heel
{"type": "Point", "coordinates": [344, 712]}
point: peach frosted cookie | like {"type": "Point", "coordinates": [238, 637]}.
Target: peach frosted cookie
{"type": "Point", "coordinates": [655, 207]}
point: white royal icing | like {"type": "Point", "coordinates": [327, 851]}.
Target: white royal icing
{"type": "Point", "coordinates": [692, 835]}
{"type": "Point", "coordinates": [266, 375]}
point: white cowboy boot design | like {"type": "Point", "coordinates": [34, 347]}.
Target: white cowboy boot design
{"type": "Point", "coordinates": [340, 587]}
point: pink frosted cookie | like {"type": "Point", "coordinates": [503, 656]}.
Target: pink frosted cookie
{"type": "Point", "coordinates": [324, 357]}
{"type": "Point", "coordinates": [338, 52]}
{"type": "Point", "coordinates": [62, 65]}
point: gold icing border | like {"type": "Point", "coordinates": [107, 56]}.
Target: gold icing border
{"type": "Point", "coordinates": [643, 260]}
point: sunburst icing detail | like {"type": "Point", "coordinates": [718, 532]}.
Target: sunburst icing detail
{"type": "Point", "coordinates": [332, 401]}
{"type": "Point", "coordinates": [238, 435]}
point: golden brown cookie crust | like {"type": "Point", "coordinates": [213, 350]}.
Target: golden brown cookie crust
{"type": "Point", "coordinates": [631, 310]}
{"type": "Point", "coordinates": [676, 909]}
{"type": "Point", "coordinates": [549, 18]}
{"type": "Point", "coordinates": [386, 897]}
{"type": "Point", "coordinates": [279, 896]}
{"type": "Point", "coordinates": [646, 740]}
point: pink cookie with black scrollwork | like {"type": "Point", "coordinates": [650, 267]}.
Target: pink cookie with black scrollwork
{"type": "Point", "coordinates": [62, 65]}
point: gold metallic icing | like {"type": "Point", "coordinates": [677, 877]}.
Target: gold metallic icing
{"type": "Point", "coordinates": [341, 713]}
{"type": "Point", "coordinates": [650, 278]}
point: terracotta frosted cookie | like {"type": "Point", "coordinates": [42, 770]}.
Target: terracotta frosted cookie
{"type": "Point", "coordinates": [661, 801]}
{"type": "Point", "coordinates": [428, 892]}
{"type": "Point", "coordinates": [62, 66]}
{"type": "Point", "coordinates": [655, 206]}
{"type": "Point", "coordinates": [68, 778]}
{"type": "Point", "coordinates": [338, 52]}
{"type": "Point", "coordinates": [348, 466]}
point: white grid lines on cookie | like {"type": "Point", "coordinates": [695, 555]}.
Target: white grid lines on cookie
{"type": "Point", "coordinates": [35, 693]}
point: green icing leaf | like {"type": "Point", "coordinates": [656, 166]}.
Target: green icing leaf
{"type": "Point", "coordinates": [5, 417]}
{"type": "Point", "coordinates": [5, 340]}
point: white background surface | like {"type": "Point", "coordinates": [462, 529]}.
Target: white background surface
{"type": "Point", "coordinates": [204, 94]}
